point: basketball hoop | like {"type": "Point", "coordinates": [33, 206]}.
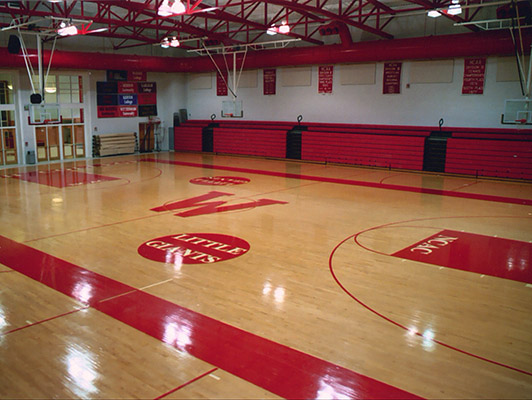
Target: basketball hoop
{"type": "Point", "coordinates": [44, 114]}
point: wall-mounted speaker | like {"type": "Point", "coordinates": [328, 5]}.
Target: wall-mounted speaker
{"type": "Point", "coordinates": [35, 98]}
{"type": "Point", "coordinates": [13, 45]}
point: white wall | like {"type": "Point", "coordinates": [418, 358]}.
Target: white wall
{"type": "Point", "coordinates": [419, 104]}
{"type": "Point", "coordinates": [171, 96]}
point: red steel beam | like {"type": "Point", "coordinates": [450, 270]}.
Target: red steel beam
{"type": "Point", "coordinates": [486, 43]}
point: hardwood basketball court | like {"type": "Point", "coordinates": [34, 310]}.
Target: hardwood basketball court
{"type": "Point", "coordinates": [183, 275]}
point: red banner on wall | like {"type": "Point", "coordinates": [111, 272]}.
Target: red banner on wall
{"type": "Point", "coordinates": [127, 87]}
{"type": "Point", "coordinates": [107, 111]}
{"type": "Point", "coordinates": [269, 81]}
{"type": "Point", "coordinates": [147, 98]}
{"type": "Point", "coordinates": [474, 71]}
{"type": "Point", "coordinates": [127, 111]}
{"type": "Point", "coordinates": [221, 85]}
{"type": "Point", "coordinates": [136, 76]}
{"type": "Point", "coordinates": [325, 78]}
{"type": "Point", "coordinates": [392, 78]}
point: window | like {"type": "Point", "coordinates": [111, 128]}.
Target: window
{"type": "Point", "coordinates": [64, 93]}
{"type": "Point", "coordinates": [6, 90]}
{"type": "Point", "coordinates": [63, 89]}
{"type": "Point", "coordinates": [8, 133]}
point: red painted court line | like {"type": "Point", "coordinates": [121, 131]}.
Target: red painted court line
{"type": "Point", "coordinates": [61, 178]}
{"type": "Point", "coordinates": [42, 321]}
{"type": "Point", "coordinates": [85, 286]}
{"type": "Point", "coordinates": [186, 384]}
{"type": "Point", "coordinates": [481, 254]}
{"type": "Point", "coordinates": [277, 368]}
{"type": "Point", "coordinates": [439, 192]}
{"type": "Point", "coordinates": [390, 320]}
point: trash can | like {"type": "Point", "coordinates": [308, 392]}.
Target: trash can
{"type": "Point", "coordinates": [30, 157]}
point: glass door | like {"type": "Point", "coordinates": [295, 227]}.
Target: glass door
{"type": "Point", "coordinates": [79, 134]}
{"type": "Point", "coordinates": [8, 132]}
{"type": "Point", "coordinates": [54, 153]}
{"type": "Point", "coordinates": [42, 143]}
{"type": "Point", "coordinates": [48, 143]}
{"type": "Point", "coordinates": [68, 141]}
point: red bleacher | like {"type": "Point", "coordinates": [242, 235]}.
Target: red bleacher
{"type": "Point", "coordinates": [505, 153]}
{"type": "Point", "coordinates": [489, 157]}
{"type": "Point", "coordinates": [392, 151]}
{"type": "Point", "coordinates": [250, 141]}
{"type": "Point", "coordinates": [188, 137]}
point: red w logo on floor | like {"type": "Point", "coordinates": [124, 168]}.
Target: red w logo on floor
{"type": "Point", "coordinates": [204, 206]}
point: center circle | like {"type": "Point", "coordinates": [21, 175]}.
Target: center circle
{"type": "Point", "coordinates": [193, 248]}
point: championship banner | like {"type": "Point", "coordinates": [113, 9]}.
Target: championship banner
{"type": "Point", "coordinates": [392, 78]}
{"type": "Point", "coordinates": [127, 87]}
{"type": "Point", "coordinates": [325, 78]}
{"type": "Point", "coordinates": [474, 71]}
{"type": "Point", "coordinates": [136, 76]}
{"type": "Point", "coordinates": [269, 81]}
{"type": "Point", "coordinates": [221, 84]}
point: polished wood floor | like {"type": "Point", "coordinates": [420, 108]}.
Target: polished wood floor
{"type": "Point", "coordinates": [176, 275]}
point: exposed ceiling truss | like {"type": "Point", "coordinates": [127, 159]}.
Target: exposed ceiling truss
{"type": "Point", "coordinates": [133, 23]}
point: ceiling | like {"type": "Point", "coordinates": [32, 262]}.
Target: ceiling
{"type": "Point", "coordinates": [134, 26]}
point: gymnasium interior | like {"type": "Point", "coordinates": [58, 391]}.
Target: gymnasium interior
{"type": "Point", "coordinates": [207, 199]}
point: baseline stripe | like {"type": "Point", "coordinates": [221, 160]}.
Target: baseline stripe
{"type": "Point", "coordinates": [277, 368]}
{"type": "Point", "coordinates": [438, 192]}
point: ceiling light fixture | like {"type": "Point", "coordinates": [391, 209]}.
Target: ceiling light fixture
{"type": "Point", "coordinates": [67, 29]}
{"type": "Point", "coordinates": [174, 42]}
{"type": "Point", "coordinates": [434, 14]}
{"type": "Point", "coordinates": [284, 28]}
{"type": "Point", "coordinates": [168, 8]}
{"type": "Point", "coordinates": [272, 30]}
{"type": "Point", "coordinates": [170, 42]}
{"type": "Point", "coordinates": [454, 9]}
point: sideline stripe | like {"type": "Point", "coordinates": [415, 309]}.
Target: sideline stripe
{"type": "Point", "coordinates": [197, 378]}
{"type": "Point", "coordinates": [42, 321]}
{"type": "Point", "coordinates": [439, 192]}
{"type": "Point", "coordinates": [280, 369]}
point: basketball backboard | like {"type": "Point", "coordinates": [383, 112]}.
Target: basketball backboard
{"type": "Point", "coordinates": [232, 109]}
{"type": "Point", "coordinates": [41, 114]}
{"type": "Point", "coordinates": [518, 111]}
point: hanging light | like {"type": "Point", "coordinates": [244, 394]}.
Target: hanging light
{"type": "Point", "coordinates": [174, 42]}
{"type": "Point", "coordinates": [165, 43]}
{"type": "Point", "coordinates": [434, 14]}
{"type": "Point", "coordinates": [67, 29]}
{"type": "Point", "coordinates": [272, 30]}
{"type": "Point", "coordinates": [284, 28]}
{"type": "Point", "coordinates": [166, 8]}
{"type": "Point", "coordinates": [454, 9]}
